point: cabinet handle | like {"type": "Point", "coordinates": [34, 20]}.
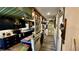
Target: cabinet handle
{"type": "Point", "coordinates": [7, 41]}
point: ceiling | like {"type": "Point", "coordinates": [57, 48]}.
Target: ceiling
{"type": "Point", "coordinates": [17, 12]}
{"type": "Point", "coordinates": [48, 12]}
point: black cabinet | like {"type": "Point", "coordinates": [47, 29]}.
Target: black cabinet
{"type": "Point", "coordinates": [7, 42]}
{"type": "Point", "coordinates": [12, 40]}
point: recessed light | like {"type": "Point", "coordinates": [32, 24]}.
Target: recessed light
{"type": "Point", "coordinates": [49, 18]}
{"type": "Point", "coordinates": [33, 14]}
{"type": "Point", "coordinates": [23, 18]}
{"type": "Point", "coordinates": [48, 13]}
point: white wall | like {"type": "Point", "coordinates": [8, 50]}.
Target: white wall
{"type": "Point", "coordinates": [72, 29]}
{"type": "Point", "coordinates": [59, 34]}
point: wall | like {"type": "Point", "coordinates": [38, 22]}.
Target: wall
{"type": "Point", "coordinates": [6, 23]}
{"type": "Point", "coordinates": [72, 29]}
{"type": "Point", "coordinates": [57, 31]}
{"type": "Point", "coordinates": [59, 34]}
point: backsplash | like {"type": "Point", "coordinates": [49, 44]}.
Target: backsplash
{"type": "Point", "coordinates": [5, 33]}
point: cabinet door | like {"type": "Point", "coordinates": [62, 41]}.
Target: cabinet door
{"type": "Point", "coordinates": [2, 43]}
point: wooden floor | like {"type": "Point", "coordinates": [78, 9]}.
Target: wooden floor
{"type": "Point", "coordinates": [17, 47]}
{"type": "Point", "coordinates": [48, 44]}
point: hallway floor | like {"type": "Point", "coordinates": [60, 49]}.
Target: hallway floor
{"type": "Point", "coordinates": [48, 44]}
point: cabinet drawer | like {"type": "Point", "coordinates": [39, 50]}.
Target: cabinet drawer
{"type": "Point", "coordinates": [8, 45]}
{"type": "Point", "coordinates": [7, 41]}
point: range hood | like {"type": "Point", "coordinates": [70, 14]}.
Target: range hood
{"type": "Point", "coordinates": [16, 12]}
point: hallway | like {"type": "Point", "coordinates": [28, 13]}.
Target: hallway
{"type": "Point", "coordinates": [48, 44]}
{"type": "Point", "coordinates": [18, 32]}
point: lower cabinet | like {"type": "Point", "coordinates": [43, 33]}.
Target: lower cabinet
{"type": "Point", "coordinates": [12, 40]}
{"type": "Point", "coordinates": [2, 43]}
{"type": "Point", "coordinates": [7, 42]}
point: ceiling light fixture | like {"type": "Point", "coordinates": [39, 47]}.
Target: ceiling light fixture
{"type": "Point", "coordinates": [33, 14]}
{"type": "Point", "coordinates": [23, 18]}
{"type": "Point", "coordinates": [48, 13]}
{"type": "Point", "coordinates": [49, 18]}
